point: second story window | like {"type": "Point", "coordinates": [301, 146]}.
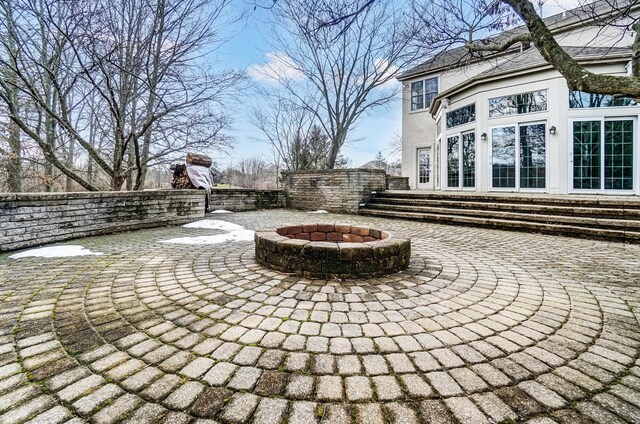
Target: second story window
{"type": "Point", "coordinates": [461, 116]}
{"type": "Point", "coordinates": [430, 91]}
{"type": "Point", "coordinates": [417, 95]}
{"type": "Point", "coordinates": [423, 92]}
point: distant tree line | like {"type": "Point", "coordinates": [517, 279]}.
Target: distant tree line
{"type": "Point", "coordinates": [93, 94]}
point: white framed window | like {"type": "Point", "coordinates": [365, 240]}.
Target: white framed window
{"type": "Point", "coordinates": [423, 92]}
{"type": "Point", "coordinates": [461, 160]}
{"type": "Point", "coordinates": [603, 155]}
{"type": "Point", "coordinates": [519, 157]}
{"type": "Point", "coordinates": [461, 116]}
{"type": "Point", "coordinates": [583, 100]}
{"type": "Point", "coordinates": [516, 104]}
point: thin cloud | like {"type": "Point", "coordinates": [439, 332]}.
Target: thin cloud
{"type": "Point", "coordinates": [278, 67]}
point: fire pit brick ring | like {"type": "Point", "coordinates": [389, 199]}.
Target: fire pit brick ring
{"type": "Point", "coordinates": [332, 251]}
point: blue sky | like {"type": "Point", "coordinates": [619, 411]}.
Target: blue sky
{"type": "Point", "coordinates": [375, 131]}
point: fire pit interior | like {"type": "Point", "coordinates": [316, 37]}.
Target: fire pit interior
{"type": "Point", "coordinates": [332, 251]}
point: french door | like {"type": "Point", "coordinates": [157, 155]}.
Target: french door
{"type": "Point", "coordinates": [603, 155]}
{"type": "Point", "coordinates": [424, 168]}
{"type": "Point", "coordinates": [519, 157]}
{"type": "Point", "coordinates": [461, 161]}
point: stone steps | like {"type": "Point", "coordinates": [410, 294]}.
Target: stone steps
{"type": "Point", "coordinates": [598, 217]}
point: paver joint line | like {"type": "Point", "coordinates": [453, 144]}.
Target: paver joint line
{"type": "Point", "coordinates": [483, 326]}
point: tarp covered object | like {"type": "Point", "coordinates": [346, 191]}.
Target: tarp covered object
{"type": "Point", "coordinates": [200, 176]}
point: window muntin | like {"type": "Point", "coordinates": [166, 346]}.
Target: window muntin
{"type": "Point", "coordinates": [417, 95]}
{"type": "Point", "coordinates": [587, 137]}
{"type": "Point", "coordinates": [424, 166]}
{"type": "Point", "coordinates": [423, 92]}
{"type": "Point", "coordinates": [515, 104]}
{"type": "Point", "coordinates": [618, 155]}
{"type": "Point", "coordinates": [603, 154]}
{"type": "Point", "coordinates": [583, 100]}
{"type": "Point", "coordinates": [461, 116]}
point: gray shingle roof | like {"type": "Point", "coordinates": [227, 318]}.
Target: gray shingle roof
{"type": "Point", "coordinates": [532, 60]}
{"type": "Point", "coordinates": [460, 56]}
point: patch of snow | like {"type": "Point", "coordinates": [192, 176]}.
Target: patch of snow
{"type": "Point", "coordinates": [319, 211]}
{"type": "Point", "coordinates": [234, 232]}
{"type": "Point", "coordinates": [221, 211]}
{"type": "Point", "coordinates": [214, 224]}
{"type": "Point", "coordinates": [239, 235]}
{"type": "Point", "coordinates": [56, 252]}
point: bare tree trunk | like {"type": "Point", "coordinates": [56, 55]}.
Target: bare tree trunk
{"type": "Point", "coordinates": [71, 153]}
{"type": "Point", "coordinates": [336, 145]}
{"type": "Point", "coordinates": [14, 164]}
{"type": "Point", "coordinates": [151, 101]}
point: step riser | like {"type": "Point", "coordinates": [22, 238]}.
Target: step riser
{"type": "Point", "coordinates": [615, 213]}
{"type": "Point", "coordinates": [581, 232]}
{"type": "Point", "coordinates": [590, 221]}
{"type": "Point", "coordinates": [633, 202]}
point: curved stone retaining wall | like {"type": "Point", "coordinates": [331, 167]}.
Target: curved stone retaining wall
{"type": "Point", "coordinates": [376, 253]}
{"type": "Point", "coordinates": [30, 219]}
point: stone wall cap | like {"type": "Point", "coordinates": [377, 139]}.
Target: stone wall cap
{"type": "Point", "coordinates": [13, 197]}
{"type": "Point", "coordinates": [333, 171]}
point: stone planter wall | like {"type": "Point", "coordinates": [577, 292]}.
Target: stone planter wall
{"type": "Point", "coordinates": [397, 183]}
{"type": "Point", "coordinates": [334, 190]}
{"type": "Point", "coordinates": [30, 219]}
{"type": "Point", "coordinates": [238, 200]}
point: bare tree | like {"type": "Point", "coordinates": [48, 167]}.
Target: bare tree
{"type": "Point", "coordinates": [127, 82]}
{"type": "Point", "coordinates": [13, 163]}
{"type": "Point", "coordinates": [254, 172]}
{"type": "Point", "coordinates": [296, 139]}
{"type": "Point", "coordinates": [472, 23]}
{"type": "Point", "coordinates": [340, 71]}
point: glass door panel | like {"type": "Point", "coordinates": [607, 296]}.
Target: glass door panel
{"type": "Point", "coordinates": [618, 155]}
{"type": "Point", "coordinates": [503, 155]}
{"type": "Point", "coordinates": [438, 164]}
{"type": "Point", "coordinates": [424, 166]}
{"type": "Point", "coordinates": [533, 156]}
{"type": "Point", "coordinates": [469, 159]}
{"type": "Point", "coordinates": [587, 137]}
{"type": "Point", "coordinates": [453, 162]}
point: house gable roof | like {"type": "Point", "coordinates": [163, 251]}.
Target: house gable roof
{"type": "Point", "coordinates": [461, 56]}
{"type": "Point", "coordinates": [531, 60]}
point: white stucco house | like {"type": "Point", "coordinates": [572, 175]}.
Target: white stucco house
{"type": "Point", "coordinates": [509, 122]}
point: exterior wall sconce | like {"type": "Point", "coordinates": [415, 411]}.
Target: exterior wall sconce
{"type": "Point", "coordinates": [552, 130]}
{"type": "Point", "coordinates": [483, 137]}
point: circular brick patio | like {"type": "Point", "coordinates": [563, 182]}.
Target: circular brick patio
{"type": "Point", "coordinates": [483, 326]}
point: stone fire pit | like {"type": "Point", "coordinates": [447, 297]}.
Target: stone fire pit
{"type": "Point", "coordinates": [332, 250]}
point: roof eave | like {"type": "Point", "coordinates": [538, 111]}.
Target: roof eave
{"type": "Point", "coordinates": [559, 28]}
{"type": "Point", "coordinates": [508, 74]}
